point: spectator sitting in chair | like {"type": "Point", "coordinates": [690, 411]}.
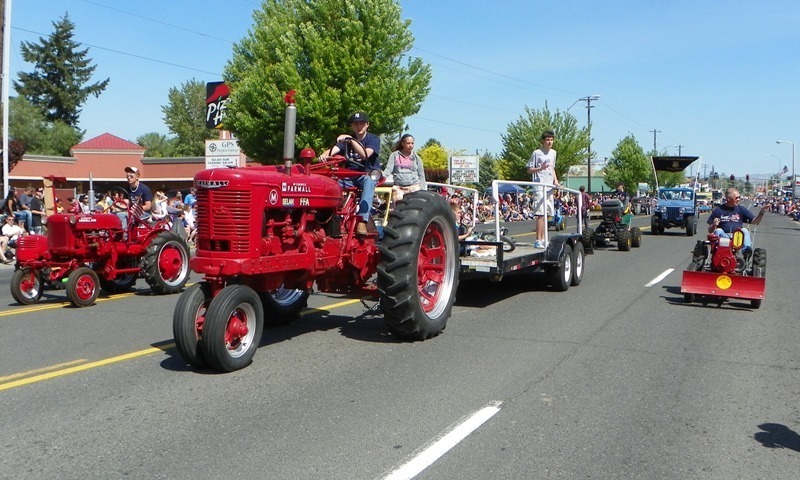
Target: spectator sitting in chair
{"type": "Point", "coordinates": [12, 231]}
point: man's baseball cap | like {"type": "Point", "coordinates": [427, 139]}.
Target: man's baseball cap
{"type": "Point", "coordinates": [131, 170]}
{"type": "Point", "coordinates": [359, 117]}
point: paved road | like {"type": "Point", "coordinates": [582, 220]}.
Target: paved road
{"type": "Point", "coordinates": [611, 379]}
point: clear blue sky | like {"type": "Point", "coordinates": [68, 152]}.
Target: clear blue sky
{"type": "Point", "coordinates": [719, 78]}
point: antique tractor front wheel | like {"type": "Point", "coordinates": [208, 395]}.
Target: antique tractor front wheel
{"type": "Point", "coordinates": [232, 328]}
{"type": "Point", "coordinates": [83, 287]}
{"type": "Point", "coordinates": [418, 272]}
{"type": "Point", "coordinates": [166, 263]}
{"type": "Point", "coordinates": [188, 321]}
{"type": "Point", "coordinates": [26, 286]}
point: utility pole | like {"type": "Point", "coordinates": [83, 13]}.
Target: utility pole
{"type": "Point", "coordinates": [588, 100]}
{"type": "Point", "coordinates": [654, 139]}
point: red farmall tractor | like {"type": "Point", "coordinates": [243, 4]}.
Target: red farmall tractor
{"type": "Point", "coordinates": [721, 268]}
{"type": "Point", "coordinates": [267, 234]}
{"type": "Point", "coordinates": [92, 252]}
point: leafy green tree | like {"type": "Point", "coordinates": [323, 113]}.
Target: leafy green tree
{"type": "Point", "coordinates": [434, 157]}
{"type": "Point", "coordinates": [487, 170]}
{"type": "Point", "coordinates": [628, 164]}
{"type": "Point", "coordinates": [58, 85]}
{"type": "Point", "coordinates": [523, 137]}
{"type": "Point", "coordinates": [157, 144]}
{"type": "Point", "coordinates": [185, 116]}
{"type": "Point", "coordinates": [29, 125]}
{"type": "Point", "coordinates": [340, 56]}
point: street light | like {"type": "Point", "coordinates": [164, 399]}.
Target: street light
{"type": "Point", "coordinates": [588, 99]}
{"type": "Point", "coordinates": [793, 177]}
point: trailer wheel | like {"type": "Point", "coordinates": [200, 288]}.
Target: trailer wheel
{"type": "Point", "coordinates": [577, 264]}
{"type": "Point", "coordinates": [418, 272]}
{"type": "Point", "coordinates": [688, 297]}
{"type": "Point", "coordinates": [232, 328]}
{"type": "Point", "coordinates": [26, 286]}
{"type": "Point", "coordinates": [636, 237]}
{"type": "Point", "coordinates": [166, 263]}
{"type": "Point", "coordinates": [624, 240]}
{"type": "Point", "coordinates": [561, 275]}
{"type": "Point", "coordinates": [188, 321]}
{"type": "Point", "coordinates": [83, 287]}
{"type": "Point", "coordinates": [282, 305]}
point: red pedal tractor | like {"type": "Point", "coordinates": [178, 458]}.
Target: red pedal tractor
{"type": "Point", "coordinates": [721, 269]}
{"type": "Point", "coordinates": [92, 252]}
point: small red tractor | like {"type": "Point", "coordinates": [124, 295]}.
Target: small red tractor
{"type": "Point", "coordinates": [267, 235]}
{"type": "Point", "coordinates": [92, 252]}
{"type": "Point", "coordinates": [722, 268]}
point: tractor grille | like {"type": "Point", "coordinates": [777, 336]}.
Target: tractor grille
{"type": "Point", "coordinates": [673, 213]}
{"type": "Point", "coordinates": [223, 220]}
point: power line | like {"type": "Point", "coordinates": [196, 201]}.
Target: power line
{"type": "Point", "coordinates": [216, 74]}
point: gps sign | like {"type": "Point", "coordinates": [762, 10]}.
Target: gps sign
{"type": "Point", "coordinates": [217, 94]}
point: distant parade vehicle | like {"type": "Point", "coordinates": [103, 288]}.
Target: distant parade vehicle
{"type": "Point", "coordinates": [93, 252]}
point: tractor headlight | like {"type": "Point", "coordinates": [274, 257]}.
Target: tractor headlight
{"type": "Point", "coordinates": [375, 175]}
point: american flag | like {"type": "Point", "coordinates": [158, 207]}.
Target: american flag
{"type": "Point", "coordinates": [785, 170]}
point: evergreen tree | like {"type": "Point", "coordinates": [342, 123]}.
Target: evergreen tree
{"type": "Point", "coordinates": [58, 83]}
{"type": "Point", "coordinates": [487, 170]}
{"type": "Point", "coordinates": [341, 56]}
{"type": "Point", "coordinates": [185, 116]}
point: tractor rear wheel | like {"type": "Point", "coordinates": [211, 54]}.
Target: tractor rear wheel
{"type": "Point", "coordinates": [419, 267]}
{"type": "Point", "coordinates": [232, 328]}
{"type": "Point", "coordinates": [83, 287]}
{"type": "Point", "coordinates": [166, 263]}
{"type": "Point", "coordinates": [283, 305]}
{"type": "Point", "coordinates": [187, 323]}
{"type": "Point", "coordinates": [26, 286]}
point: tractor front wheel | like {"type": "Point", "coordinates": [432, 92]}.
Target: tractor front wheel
{"type": "Point", "coordinates": [636, 237]}
{"type": "Point", "coordinates": [232, 328]}
{"type": "Point", "coordinates": [83, 287]}
{"type": "Point", "coordinates": [187, 323]}
{"type": "Point", "coordinates": [26, 286]}
{"type": "Point", "coordinates": [418, 272]}
{"type": "Point", "coordinates": [166, 263]}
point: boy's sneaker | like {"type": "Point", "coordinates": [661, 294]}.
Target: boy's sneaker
{"type": "Point", "coordinates": [538, 244]}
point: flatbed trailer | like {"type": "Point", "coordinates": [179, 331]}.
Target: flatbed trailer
{"type": "Point", "coordinates": [562, 261]}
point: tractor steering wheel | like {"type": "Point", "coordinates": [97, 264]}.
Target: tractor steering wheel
{"type": "Point", "coordinates": [349, 154]}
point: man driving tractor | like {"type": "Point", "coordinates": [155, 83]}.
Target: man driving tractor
{"type": "Point", "coordinates": [364, 147]}
{"type": "Point", "coordinates": [726, 218]}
